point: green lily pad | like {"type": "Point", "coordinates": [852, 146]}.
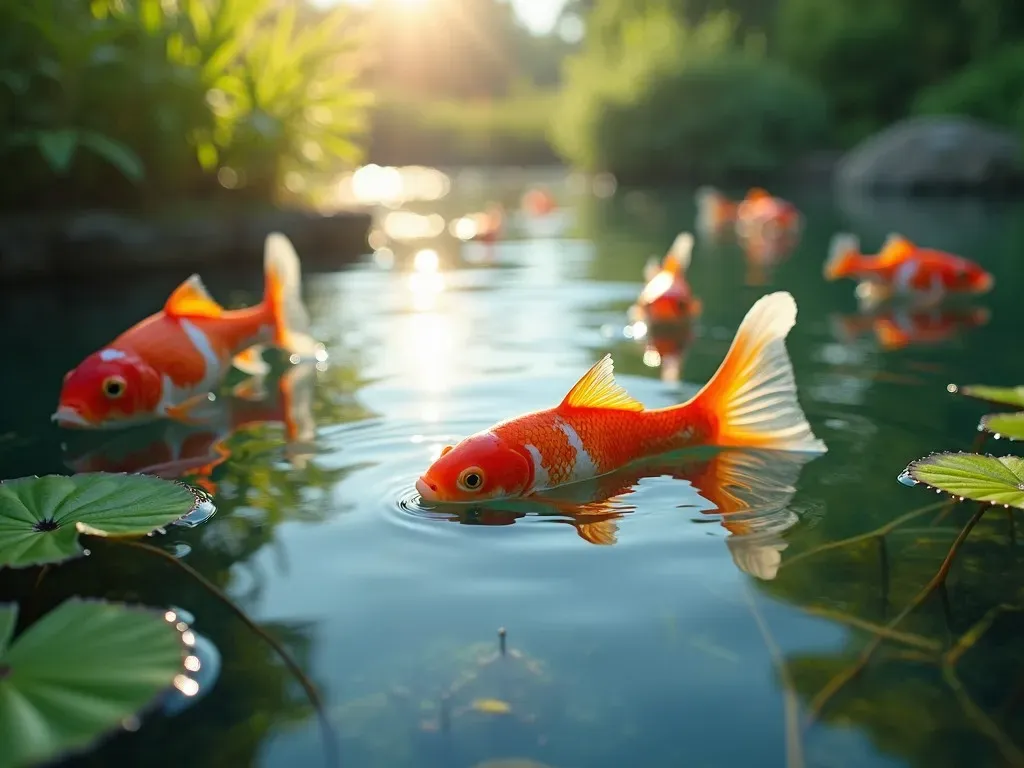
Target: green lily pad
{"type": "Point", "coordinates": [997, 480]}
{"type": "Point", "coordinates": [80, 672]}
{"type": "Point", "coordinates": [1008, 425]}
{"type": "Point", "coordinates": [1005, 395]}
{"type": "Point", "coordinates": [42, 517]}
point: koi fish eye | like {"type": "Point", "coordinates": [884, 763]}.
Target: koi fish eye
{"type": "Point", "coordinates": [114, 387]}
{"type": "Point", "coordinates": [471, 479]}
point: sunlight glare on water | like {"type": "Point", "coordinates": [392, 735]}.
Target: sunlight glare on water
{"type": "Point", "coordinates": [633, 607]}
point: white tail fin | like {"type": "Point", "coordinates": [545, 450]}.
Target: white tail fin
{"type": "Point", "coordinates": [284, 294]}
{"type": "Point", "coordinates": [679, 255]}
{"type": "Point", "coordinates": [841, 250]}
{"type": "Point", "coordinates": [752, 396]}
{"type": "Point", "coordinates": [713, 210]}
{"type": "Point", "coordinates": [652, 268]}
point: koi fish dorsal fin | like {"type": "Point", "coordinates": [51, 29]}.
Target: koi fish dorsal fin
{"type": "Point", "coordinates": [895, 247]}
{"type": "Point", "coordinates": [190, 299]}
{"type": "Point", "coordinates": [598, 389]}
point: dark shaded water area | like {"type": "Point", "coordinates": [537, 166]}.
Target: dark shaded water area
{"type": "Point", "coordinates": [684, 638]}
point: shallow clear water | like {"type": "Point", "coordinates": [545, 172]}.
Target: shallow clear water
{"type": "Point", "coordinates": [672, 643]}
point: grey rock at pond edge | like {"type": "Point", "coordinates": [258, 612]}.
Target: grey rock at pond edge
{"type": "Point", "coordinates": [58, 245]}
{"type": "Point", "coordinates": [934, 154]}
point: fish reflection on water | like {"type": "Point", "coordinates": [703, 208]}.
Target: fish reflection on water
{"type": "Point", "coordinates": [896, 326]}
{"type": "Point", "coordinates": [749, 489]}
{"type": "Point", "coordinates": [174, 449]}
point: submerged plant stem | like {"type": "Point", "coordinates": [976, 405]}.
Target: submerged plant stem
{"type": "Point", "coordinates": [790, 701]}
{"type": "Point", "coordinates": [967, 640]}
{"type": "Point", "coordinates": [987, 726]}
{"type": "Point", "coordinates": [881, 531]}
{"type": "Point", "coordinates": [907, 638]}
{"type": "Point", "coordinates": [331, 752]}
{"type": "Point", "coordinates": [840, 680]}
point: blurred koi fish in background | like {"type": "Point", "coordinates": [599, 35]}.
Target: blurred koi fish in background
{"type": "Point", "coordinates": [902, 268]}
{"type": "Point", "coordinates": [759, 213]}
{"type": "Point", "coordinates": [167, 364]}
{"type": "Point", "coordinates": [667, 296]}
{"type": "Point", "coordinates": [663, 316]}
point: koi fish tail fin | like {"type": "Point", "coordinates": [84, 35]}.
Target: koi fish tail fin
{"type": "Point", "coordinates": [652, 268]}
{"type": "Point", "coordinates": [842, 254]}
{"type": "Point", "coordinates": [677, 260]}
{"type": "Point", "coordinates": [284, 297]}
{"type": "Point", "coordinates": [751, 400]}
{"type": "Point", "coordinates": [713, 209]}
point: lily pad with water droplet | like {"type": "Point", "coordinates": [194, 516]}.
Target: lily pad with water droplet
{"type": "Point", "coordinates": [79, 672]}
{"type": "Point", "coordinates": [41, 517]}
{"type": "Point", "coordinates": [998, 480]}
{"type": "Point", "coordinates": [1005, 395]}
{"type": "Point", "coordinates": [1008, 425]}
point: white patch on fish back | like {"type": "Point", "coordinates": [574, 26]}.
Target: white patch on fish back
{"type": "Point", "coordinates": [109, 355]}
{"type": "Point", "coordinates": [904, 274]}
{"type": "Point", "coordinates": [583, 467]}
{"type": "Point", "coordinates": [202, 344]}
{"type": "Point", "coordinates": [541, 478]}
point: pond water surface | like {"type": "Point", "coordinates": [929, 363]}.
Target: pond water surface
{"type": "Point", "coordinates": [654, 634]}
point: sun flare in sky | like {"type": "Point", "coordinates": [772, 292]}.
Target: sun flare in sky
{"type": "Point", "coordinates": [539, 16]}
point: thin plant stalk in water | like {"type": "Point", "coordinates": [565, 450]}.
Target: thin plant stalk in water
{"type": "Point", "coordinates": [331, 750]}
{"type": "Point", "coordinates": [839, 681]}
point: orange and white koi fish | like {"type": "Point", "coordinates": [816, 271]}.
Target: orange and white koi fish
{"type": "Point", "coordinates": [903, 268]}
{"type": "Point", "coordinates": [766, 215]}
{"type": "Point", "coordinates": [667, 298]}
{"type": "Point", "coordinates": [750, 490]}
{"type": "Point", "coordinates": [176, 450]}
{"type": "Point", "coordinates": [598, 428]}
{"type": "Point", "coordinates": [167, 364]}
{"type": "Point", "coordinates": [759, 212]}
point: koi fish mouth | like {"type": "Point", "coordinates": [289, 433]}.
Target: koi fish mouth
{"type": "Point", "coordinates": [427, 490]}
{"type": "Point", "coordinates": [69, 416]}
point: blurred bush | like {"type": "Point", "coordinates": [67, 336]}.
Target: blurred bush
{"type": "Point", "coordinates": [127, 100]}
{"type": "Point", "coordinates": [653, 97]}
{"type": "Point", "coordinates": [880, 60]}
{"type": "Point", "coordinates": [991, 89]}
{"type": "Point", "coordinates": [508, 131]}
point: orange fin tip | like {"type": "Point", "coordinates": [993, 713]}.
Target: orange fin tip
{"type": "Point", "coordinates": [191, 299]}
{"type": "Point", "coordinates": [188, 411]}
{"type": "Point", "coordinates": [598, 389]}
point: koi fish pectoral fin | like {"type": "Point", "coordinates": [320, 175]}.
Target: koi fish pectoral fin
{"type": "Point", "coordinates": [190, 411]}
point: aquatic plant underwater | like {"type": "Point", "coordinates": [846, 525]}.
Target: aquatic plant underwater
{"type": "Point", "coordinates": [129, 659]}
